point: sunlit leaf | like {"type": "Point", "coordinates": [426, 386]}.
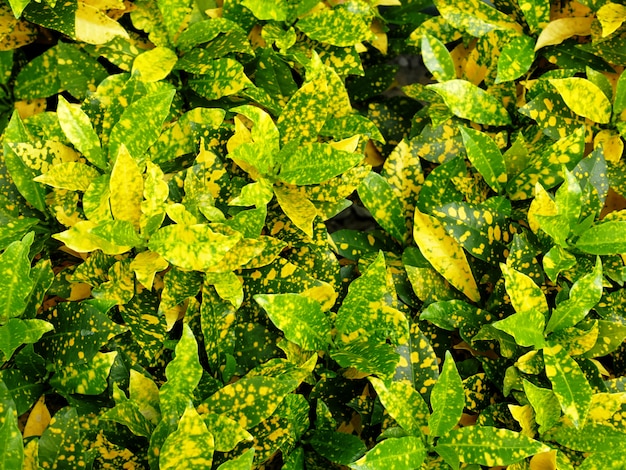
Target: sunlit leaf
{"type": "Point", "coordinates": [604, 239]}
{"type": "Point", "coordinates": [584, 98]}
{"type": "Point", "coordinates": [561, 29]}
{"type": "Point", "coordinates": [219, 77]}
{"type": "Point", "coordinates": [400, 452]}
{"type": "Point", "coordinates": [437, 59]}
{"type": "Point", "coordinates": [93, 26]}
{"type": "Point", "coordinates": [515, 59]}
{"type": "Point", "coordinates": [191, 446]}
{"type": "Point", "coordinates": [155, 64]}
{"type": "Point", "coordinates": [485, 156]}
{"type": "Point", "coordinates": [15, 269]}
{"type": "Point", "coordinates": [338, 27]}
{"type": "Point", "coordinates": [404, 404]}
{"type": "Point", "coordinates": [447, 399]}
{"type": "Point", "coordinates": [379, 198]}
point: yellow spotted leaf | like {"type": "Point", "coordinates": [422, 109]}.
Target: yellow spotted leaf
{"type": "Point", "coordinates": [190, 447]}
{"type": "Point", "coordinates": [95, 27]}
{"type": "Point", "coordinates": [561, 29]}
{"type": "Point", "coordinates": [297, 207]}
{"type": "Point", "coordinates": [69, 175]}
{"type": "Point", "coordinates": [126, 188]}
{"type": "Point", "coordinates": [611, 16]}
{"type": "Point", "coordinates": [444, 254]}
{"type": "Point", "coordinates": [145, 265]}
{"type": "Point", "coordinates": [584, 98]}
{"type": "Point", "coordinates": [154, 64]}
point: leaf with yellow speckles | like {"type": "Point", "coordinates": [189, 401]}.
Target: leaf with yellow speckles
{"type": "Point", "coordinates": [297, 207]}
{"type": "Point", "coordinates": [190, 447]}
{"type": "Point", "coordinates": [16, 332]}
{"type": "Point", "coordinates": [438, 188]}
{"type": "Point", "coordinates": [393, 453]}
{"type": "Point", "coordinates": [338, 27]}
{"type": "Point", "coordinates": [140, 125]}
{"type": "Point", "coordinates": [145, 265]}
{"type": "Point", "coordinates": [524, 293]}
{"type": "Point", "coordinates": [154, 64]}
{"type": "Point", "coordinates": [69, 175]}
{"type": "Point", "coordinates": [193, 247]}
{"type": "Point", "coordinates": [79, 130]}
{"type": "Point", "coordinates": [584, 98]}
{"type": "Point", "coordinates": [85, 378]}
{"type": "Point", "coordinates": [11, 444]}
{"type": "Point", "coordinates": [218, 78]}
{"type": "Point", "coordinates": [593, 437]}
{"type": "Point", "coordinates": [63, 441]}
{"type": "Point", "coordinates": [569, 384]}
{"type": "Point", "coordinates": [226, 431]}
{"type": "Point", "coordinates": [476, 18]}
{"type": "Point", "coordinates": [447, 399]}
{"type": "Point", "coordinates": [437, 59]}
{"type": "Point", "coordinates": [486, 445]}
{"type": "Point", "coordinates": [526, 327]}
{"type": "Point", "coordinates": [444, 254]}
{"type": "Point", "coordinates": [583, 296]}
{"type": "Point", "coordinates": [242, 462]}
{"type": "Point", "coordinates": [467, 101]}
{"type": "Point", "coordinates": [485, 156]}
{"type": "Point", "coordinates": [301, 319]}
{"type": "Point", "coordinates": [148, 328]}
{"type": "Point", "coordinates": [552, 114]}
{"type": "Point", "coordinates": [15, 270]}
{"type": "Point", "coordinates": [126, 188]}
{"type": "Point", "coordinates": [404, 405]}
{"type": "Point", "coordinates": [378, 197]}
{"type": "Point", "coordinates": [515, 59]}
{"type": "Point", "coordinates": [604, 238]}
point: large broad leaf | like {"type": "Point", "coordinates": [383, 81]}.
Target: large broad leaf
{"type": "Point", "coordinates": [545, 403]}
{"type": "Point", "coordinates": [338, 27]}
{"type": "Point", "coordinates": [16, 273]}
{"type": "Point", "coordinates": [190, 447]}
{"type": "Point", "coordinates": [88, 378]}
{"type": "Point", "coordinates": [219, 77]}
{"type": "Point", "coordinates": [605, 238]}
{"type": "Point", "coordinates": [17, 332]}
{"type": "Point", "coordinates": [526, 327]}
{"type": "Point", "coordinates": [515, 59]}
{"type": "Point", "coordinates": [444, 254]}
{"type": "Point", "coordinates": [584, 98]}
{"type": "Point", "coordinates": [486, 445]}
{"type": "Point", "coordinates": [569, 384]}
{"type": "Point", "coordinates": [126, 188]}
{"type": "Point", "coordinates": [475, 17]}
{"type": "Point", "coordinates": [73, 176]}
{"type": "Point", "coordinates": [447, 399]}
{"type": "Point", "coordinates": [401, 452]}
{"type": "Point", "coordinates": [467, 101]}
{"type": "Point", "coordinates": [62, 441]}
{"type": "Point", "coordinates": [300, 318]}
{"type": "Point", "coordinates": [93, 26]}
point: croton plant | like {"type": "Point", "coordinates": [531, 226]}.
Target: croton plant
{"type": "Point", "coordinates": [180, 287]}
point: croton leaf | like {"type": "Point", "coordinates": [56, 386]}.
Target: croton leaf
{"type": "Point", "coordinates": [604, 238]}
{"type": "Point", "coordinates": [515, 59]}
{"type": "Point", "coordinates": [11, 443]}
{"type": "Point", "coordinates": [437, 59]}
{"type": "Point", "coordinates": [16, 332]}
{"type": "Point", "coordinates": [447, 399]}
{"type": "Point", "coordinates": [526, 327]}
{"type": "Point", "coordinates": [584, 98]}
{"type": "Point", "coordinates": [154, 64]}
{"type": "Point", "coordinates": [338, 27]}
{"type": "Point", "coordinates": [69, 175]}
{"type": "Point", "coordinates": [190, 447]}
{"type": "Point", "coordinates": [218, 78]}
{"type": "Point", "coordinates": [16, 270]}
{"type": "Point", "coordinates": [400, 452]}
{"type": "Point", "coordinates": [486, 157]}
{"type": "Point", "coordinates": [524, 293]}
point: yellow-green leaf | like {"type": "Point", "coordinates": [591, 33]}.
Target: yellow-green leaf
{"type": "Point", "coordinates": [126, 188]}
{"type": "Point", "coordinates": [515, 59]}
{"type": "Point", "coordinates": [95, 27]}
{"type": "Point", "coordinates": [524, 293]}
{"type": "Point", "coordinates": [611, 16]}
{"type": "Point", "coordinates": [447, 399]}
{"type": "Point", "coordinates": [393, 453]}
{"type": "Point", "coordinates": [315, 163]}
{"type": "Point", "coordinates": [297, 207]}
{"type": "Point", "coordinates": [338, 26]}
{"type": "Point", "coordinates": [154, 64]}
{"type": "Point", "coordinates": [584, 98]}
{"type": "Point", "coordinates": [145, 265]}
{"type": "Point", "coordinates": [444, 254]}
{"type": "Point", "coordinates": [220, 77]}
{"type": "Point", "coordinates": [190, 447]}
{"type": "Point", "coordinates": [69, 175]}
{"type": "Point", "coordinates": [437, 59]}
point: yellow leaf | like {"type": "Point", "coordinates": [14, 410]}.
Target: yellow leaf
{"type": "Point", "coordinates": [524, 416]}
{"type": "Point", "coordinates": [611, 143]}
{"type": "Point", "coordinates": [106, 4]}
{"type": "Point", "coordinates": [380, 42]}
{"type": "Point", "coordinates": [544, 461]}
{"type": "Point", "coordinates": [28, 108]}
{"type": "Point", "coordinates": [541, 205]}
{"type": "Point", "coordinates": [297, 207]}
{"type": "Point", "coordinates": [444, 254]}
{"type": "Point", "coordinates": [38, 419]}
{"type": "Point", "coordinates": [559, 30]}
{"type": "Point", "coordinates": [611, 16]}
{"type": "Point", "coordinates": [155, 64]}
{"type": "Point", "coordinates": [584, 97]}
{"type": "Point", "coordinates": [145, 265]}
{"type": "Point", "coordinates": [94, 27]}
{"type": "Point", "coordinates": [126, 188]}
{"type": "Point", "coordinates": [347, 145]}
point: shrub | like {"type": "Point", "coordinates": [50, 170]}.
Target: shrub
{"type": "Point", "coordinates": [180, 288]}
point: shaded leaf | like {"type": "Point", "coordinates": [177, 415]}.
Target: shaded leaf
{"type": "Point", "coordinates": [485, 155]}
{"type": "Point", "coordinates": [447, 399]}
{"type": "Point", "coordinates": [378, 197]}
{"type": "Point", "coordinates": [400, 452]}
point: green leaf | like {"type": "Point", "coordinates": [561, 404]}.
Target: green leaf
{"type": "Point", "coordinates": [226, 431]}
{"type": "Point", "coordinates": [62, 441]}
{"type": "Point", "coordinates": [515, 59]}
{"type": "Point", "coordinates": [403, 404]}
{"type": "Point", "coordinates": [140, 125]}
{"type": "Point", "coordinates": [11, 444]}
{"type": "Point", "coordinates": [378, 197]}
{"type": "Point", "coordinates": [584, 98]}
{"type": "Point", "coordinates": [467, 101]}
{"type": "Point", "coordinates": [190, 447]}
{"type": "Point", "coordinates": [15, 269]}
{"type": "Point", "coordinates": [486, 445]}
{"type": "Point", "coordinates": [69, 175]}
{"type": "Point", "coordinates": [79, 130]}
{"type": "Point", "coordinates": [447, 399]}
{"type": "Point", "coordinates": [593, 437]}
{"type": "Point", "coordinates": [444, 254]}
{"type": "Point", "coordinates": [338, 26]}
{"type": "Point", "coordinates": [524, 293]}
{"type": "Point", "coordinates": [583, 296]}
{"type": "Point", "coordinates": [437, 59]}
{"type": "Point", "coordinates": [526, 327]}
{"type": "Point", "coordinates": [486, 157]}
{"type": "Point", "coordinates": [277, 11]}
{"type": "Point", "coordinates": [367, 357]}
{"type": "Point", "coordinates": [60, 17]}
{"type": "Point", "coordinates": [148, 328]}
{"type": "Point", "coordinates": [300, 318]}
{"type": "Point", "coordinates": [218, 78]}
{"type": "Point", "coordinates": [544, 403]}
{"type": "Point", "coordinates": [393, 453]}
{"type": "Point", "coordinates": [569, 384]}
{"type": "Point", "coordinates": [176, 15]}
{"type": "Point", "coordinates": [243, 462]}
{"type": "Point", "coordinates": [338, 447]}
{"type": "Point", "coordinates": [192, 247]}
{"type": "Point", "coordinates": [154, 64]}
{"type": "Point", "coordinates": [605, 238]}
{"type": "Point", "coordinates": [16, 332]}
{"type": "Point", "coordinates": [315, 163]}
{"type": "Point", "coordinates": [475, 17]}
{"type": "Point", "coordinates": [86, 379]}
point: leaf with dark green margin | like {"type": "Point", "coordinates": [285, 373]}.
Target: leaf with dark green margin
{"type": "Point", "coordinates": [593, 437]}
{"type": "Point", "coordinates": [526, 327]}
{"type": "Point", "coordinates": [605, 238]}
{"type": "Point", "coordinates": [583, 296]}
{"type": "Point", "coordinates": [338, 447]}
{"type": "Point", "coordinates": [485, 156]}
{"type": "Point", "coordinates": [226, 431]}
{"type": "Point", "coordinates": [192, 247]}
{"type": "Point", "coordinates": [120, 286]}
{"type": "Point", "coordinates": [63, 441]}
{"type": "Point", "coordinates": [437, 59]}
{"type": "Point", "coordinates": [128, 413]}
{"type": "Point", "coordinates": [338, 27]}
{"type": "Point", "coordinates": [467, 101]}
{"type": "Point", "coordinates": [524, 293]}
{"type": "Point", "coordinates": [300, 318]}
{"type": "Point", "coordinates": [515, 59]}
{"type": "Point", "coordinates": [439, 188]}
{"type": "Point", "coordinates": [16, 332]}
{"type": "Point", "coordinates": [74, 176]}
{"type": "Point", "coordinates": [24, 389]}
{"type": "Point", "coordinates": [569, 384]}
{"type": "Point", "coordinates": [486, 445]}
{"type": "Point", "coordinates": [85, 379]}
{"type": "Point", "coordinates": [250, 400]}
{"type": "Point", "coordinates": [393, 453]}
{"type": "Point", "coordinates": [11, 444]}
{"type": "Point", "coordinates": [378, 197]}
{"type": "Point", "coordinates": [190, 446]}
{"type": "Point", "coordinates": [80, 330]}
{"type": "Point", "coordinates": [447, 399]}
{"type": "Point", "coordinates": [478, 229]}
{"type": "Point", "coordinates": [140, 125]}
{"type": "Point", "coordinates": [218, 78]}
{"type": "Point", "coordinates": [421, 369]}
{"type": "Point", "coordinates": [404, 404]}
{"type": "Point", "coordinates": [584, 98]}
{"type": "Point", "coordinates": [15, 270]}
{"type": "Point", "coordinates": [444, 254]}
{"type": "Point", "coordinates": [78, 129]}
{"type": "Point", "coordinates": [315, 163]}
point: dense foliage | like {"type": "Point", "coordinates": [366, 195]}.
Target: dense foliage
{"type": "Point", "coordinates": [177, 289]}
